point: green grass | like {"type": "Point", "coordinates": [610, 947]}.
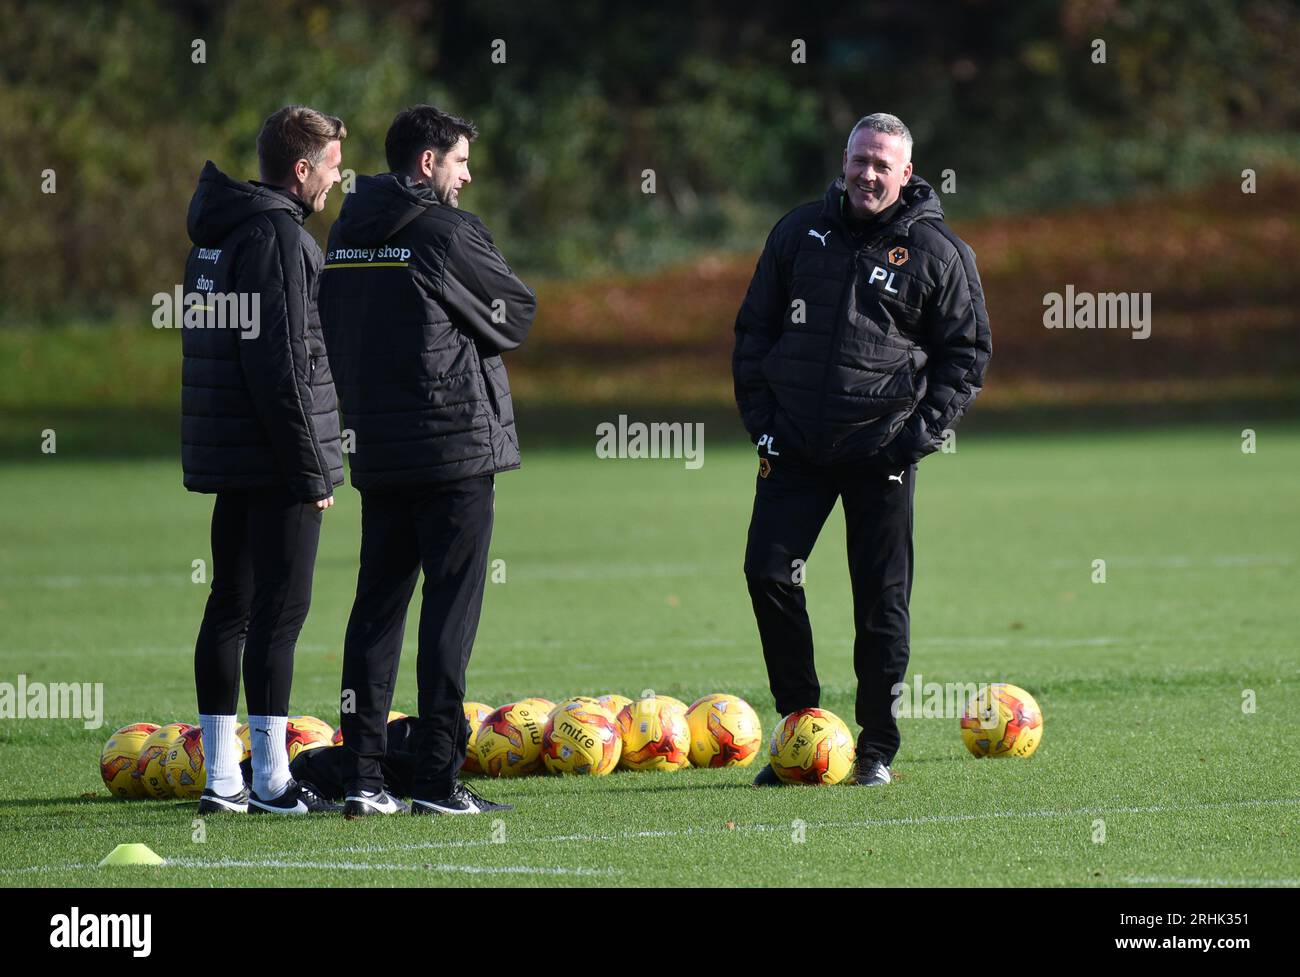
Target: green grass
{"type": "Point", "coordinates": [625, 575]}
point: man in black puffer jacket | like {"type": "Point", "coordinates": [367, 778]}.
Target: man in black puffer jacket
{"type": "Point", "coordinates": [418, 305]}
{"type": "Point", "coordinates": [259, 427]}
{"type": "Point", "coordinates": [862, 339]}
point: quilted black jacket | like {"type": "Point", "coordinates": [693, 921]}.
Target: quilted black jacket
{"type": "Point", "coordinates": [854, 344]}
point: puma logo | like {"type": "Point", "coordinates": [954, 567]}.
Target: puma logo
{"type": "Point", "coordinates": [898, 478]}
{"type": "Point", "coordinates": [820, 237]}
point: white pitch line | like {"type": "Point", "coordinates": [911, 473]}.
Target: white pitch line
{"type": "Point", "coordinates": [68, 581]}
{"type": "Point", "coordinates": [553, 839]}
{"type": "Point", "coordinates": [1077, 812]}
{"type": "Point", "coordinates": [593, 643]}
{"type": "Point", "coordinates": [833, 825]}
{"type": "Point", "coordinates": [533, 572]}
{"type": "Point", "coordinates": [1215, 883]}
{"type": "Point", "coordinates": [1084, 564]}
{"type": "Point", "coordinates": [679, 833]}
{"type": "Point", "coordinates": [607, 571]}
{"type": "Point", "coordinates": [282, 863]}
{"type": "Point", "coordinates": [584, 646]}
{"type": "Point", "coordinates": [1005, 642]}
{"type": "Point", "coordinates": [480, 672]}
{"type": "Point", "coordinates": [372, 866]}
{"type": "Point", "coordinates": [42, 869]}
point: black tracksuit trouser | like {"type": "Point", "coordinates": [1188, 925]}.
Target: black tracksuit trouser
{"type": "Point", "coordinates": [443, 529]}
{"type": "Point", "coordinates": [263, 554]}
{"type": "Point", "coordinates": [791, 503]}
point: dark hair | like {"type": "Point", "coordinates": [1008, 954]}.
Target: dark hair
{"type": "Point", "coordinates": [423, 127]}
{"type": "Point", "coordinates": [295, 132]}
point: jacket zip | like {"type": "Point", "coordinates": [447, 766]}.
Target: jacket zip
{"type": "Point", "coordinates": [845, 294]}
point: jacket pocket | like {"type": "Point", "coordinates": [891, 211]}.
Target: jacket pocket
{"type": "Point", "coordinates": [484, 381]}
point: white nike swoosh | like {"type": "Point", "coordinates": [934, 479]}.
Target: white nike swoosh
{"type": "Point", "coordinates": [298, 808]}
{"type": "Point", "coordinates": [389, 806]}
{"type": "Point", "coordinates": [229, 805]}
{"type": "Point", "coordinates": [473, 809]}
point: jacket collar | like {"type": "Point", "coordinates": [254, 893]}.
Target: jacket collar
{"type": "Point", "coordinates": [301, 209]}
{"type": "Point", "coordinates": [919, 200]}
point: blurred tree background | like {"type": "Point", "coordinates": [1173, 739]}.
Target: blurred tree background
{"type": "Point", "coordinates": [741, 110]}
{"type": "Point", "coordinates": [709, 95]}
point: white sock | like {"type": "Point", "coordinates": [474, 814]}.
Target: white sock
{"type": "Point", "coordinates": [270, 755]}
{"type": "Point", "coordinates": [221, 753]}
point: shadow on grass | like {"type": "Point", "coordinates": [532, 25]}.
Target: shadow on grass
{"type": "Point", "coordinates": [94, 800]}
{"type": "Point", "coordinates": [77, 801]}
{"type": "Point", "coordinates": [650, 782]}
{"type": "Point", "coordinates": [122, 434]}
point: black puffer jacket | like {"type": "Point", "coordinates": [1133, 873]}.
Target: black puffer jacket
{"type": "Point", "coordinates": [417, 306]}
{"type": "Point", "coordinates": [857, 344]}
{"type": "Point", "coordinates": [258, 408]}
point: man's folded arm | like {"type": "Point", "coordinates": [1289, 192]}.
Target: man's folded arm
{"type": "Point", "coordinates": [487, 299]}
{"type": "Point", "coordinates": [960, 344]}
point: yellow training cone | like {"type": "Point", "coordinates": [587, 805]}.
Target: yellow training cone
{"type": "Point", "coordinates": [136, 854]}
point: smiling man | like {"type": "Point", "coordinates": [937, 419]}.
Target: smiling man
{"type": "Point", "coordinates": [862, 338]}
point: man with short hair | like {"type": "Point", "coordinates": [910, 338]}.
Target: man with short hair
{"type": "Point", "coordinates": [259, 428]}
{"type": "Point", "coordinates": [418, 305]}
{"type": "Point", "coordinates": [862, 339]}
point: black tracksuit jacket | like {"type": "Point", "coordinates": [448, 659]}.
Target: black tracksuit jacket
{"type": "Point", "coordinates": [258, 409]}
{"type": "Point", "coordinates": [418, 305]}
{"type": "Point", "coordinates": [856, 344]}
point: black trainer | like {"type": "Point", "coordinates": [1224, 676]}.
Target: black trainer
{"type": "Point", "coordinates": [871, 773]}
{"type": "Point", "coordinates": [210, 802]}
{"type": "Point", "coordinates": [462, 801]}
{"type": "Point", "coordinates": [363, 804]}
{"type": "Point", "coordinates": [298, 798]}
{"type": "Point", "coordinates": [767, 777]}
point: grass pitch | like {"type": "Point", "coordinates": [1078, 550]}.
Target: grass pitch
{"type": "Point", "coordinates": [625, 575]}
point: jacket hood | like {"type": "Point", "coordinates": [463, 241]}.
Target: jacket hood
{"type": "Point", "coordinates": [221, 204]}
{"type": "Point", "coordinates": [919, 202]}
{"type": "Point", "coordinates": [379, 207]}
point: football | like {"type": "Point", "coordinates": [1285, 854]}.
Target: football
{"type": "Point", "coordinates": [725, 731]}
{"type": "Point", "coordinates": [614, 702]}
{"type": "Point", "coordinates": [586, 701]}
{"type": "Point", "coordinates": [245, 740]}
{"type": "Point", "coordinates": [581, 740]}
{"type": "Point", "coordinates": [812, 746]}
{"type": "Point", "coordinates": [118, 759]}
{"type": "Point", "coordinates": [306, 733]}
{"type": "Point", "coordinates": [677, 704]}
{"type": "Point", "coordinates": [184, 768]}
{"type": "Point", "coordinates": [475, 713]}
{"type": "Point", "coordinates": [149, 766]}
{"type": "Point", "coordinates": [337, 738]}
{"type": "Point", "coordinates": [655, 735]}
{"type": "Point", "coordinates": [510, 741]}
{"type": "Point", "coordinates": [1002, 720]}
{"type": "Point", "coordinates": [543, 707]}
